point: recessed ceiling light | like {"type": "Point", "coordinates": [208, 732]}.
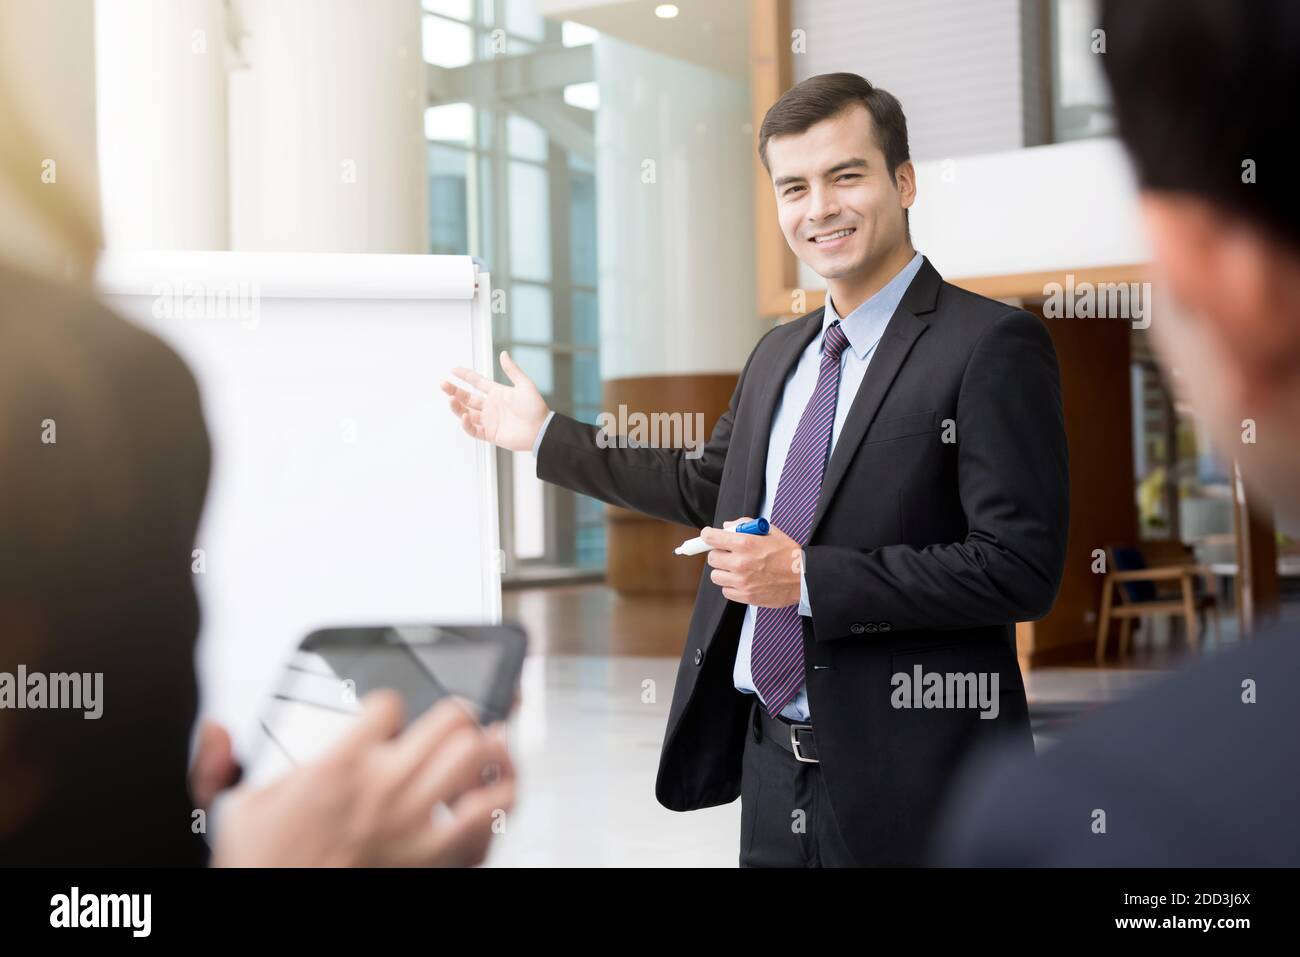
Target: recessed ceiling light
{"type": "Point", "coordinates": [666, 10]}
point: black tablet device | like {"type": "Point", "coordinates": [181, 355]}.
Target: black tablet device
{"type": "Point", "coordinates": [319, 693]}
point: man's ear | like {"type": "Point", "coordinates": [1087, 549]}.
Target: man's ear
{"type": "Point", "coordinates": [905, 183]}
{"type": "Point", "coordinates": [1181, 231]}
{"type": "Point", "coordinates": [1250, 274]}
{"type": "Point", "coordinates": [1222, 268]}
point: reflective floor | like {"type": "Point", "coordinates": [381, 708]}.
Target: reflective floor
{"type": "Point", "coordinates": [586, 740]}
{"type": "Point", "coordinates": [596, 690]}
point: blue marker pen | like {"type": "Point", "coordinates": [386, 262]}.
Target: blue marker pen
{"type": "Point", "coordinates": [696, 546]}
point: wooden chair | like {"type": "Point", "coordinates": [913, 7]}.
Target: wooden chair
{"type": "Point", "coordinates": [1173, 585]}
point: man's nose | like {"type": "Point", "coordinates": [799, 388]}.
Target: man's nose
{"type": "Point", "coordinates": [823, 205]}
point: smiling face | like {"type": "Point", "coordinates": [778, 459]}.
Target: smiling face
{"type": "Point", "coordinates": [839, 208]}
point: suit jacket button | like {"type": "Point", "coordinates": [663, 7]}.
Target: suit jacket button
{"type": "Point", "coordinates": [857, 628]}
{"type": "Point", "coordinates": [871, 627]}
{"type": "Point", "coordinates": [699, 655]}
{"type": "Point", "coordinates": [884, 626]}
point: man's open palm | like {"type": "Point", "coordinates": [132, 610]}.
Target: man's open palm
{"type": "Point", "coordinates": [506, 415]}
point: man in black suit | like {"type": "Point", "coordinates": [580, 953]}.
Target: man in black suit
{"type": "Point", "coordinates": [1202, 770]}
{"type": "Point", "coordinates": [907, 443]}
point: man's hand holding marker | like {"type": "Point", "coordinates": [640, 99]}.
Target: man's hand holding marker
{"type": "Point", "coordinates": [754, 562]}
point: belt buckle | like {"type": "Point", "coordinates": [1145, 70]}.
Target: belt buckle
{"type": "Point", "coordinates": [794, 743]}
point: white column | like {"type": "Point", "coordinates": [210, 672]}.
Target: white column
{"type": "Point", "coordinates": [47, 132]}
{"type": "Point", "coordinates": [161, 93]}
{"type": "Point", "coordinates": [675, 220]}
{"type": "Point", "coordinates": [327, 131]}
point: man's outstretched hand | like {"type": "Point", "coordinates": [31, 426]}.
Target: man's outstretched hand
{"type": "Point", "coordinates": [506, 415]}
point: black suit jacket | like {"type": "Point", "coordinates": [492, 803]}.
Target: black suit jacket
{"type": "Point", "coordinates": [922, 551]}
{"type": "Point", "coordinates": [96, 531]}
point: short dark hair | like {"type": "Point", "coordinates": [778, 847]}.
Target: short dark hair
{"type": "Point", "coordinates": [1199, 88]}
{"type": "Point", "coordinates": [821, 97]}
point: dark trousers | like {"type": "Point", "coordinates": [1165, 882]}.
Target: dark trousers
{"type": "Point", "coordinates": [785, 813]}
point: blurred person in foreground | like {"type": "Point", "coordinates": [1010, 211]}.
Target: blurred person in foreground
{"type": "Point", "coordinates": [104, 462]}
{"type": "Point", "coordinates": [1203, 769]}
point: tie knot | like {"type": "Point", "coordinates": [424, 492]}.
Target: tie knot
{"type": "Point", "coordinates": [836, 341]}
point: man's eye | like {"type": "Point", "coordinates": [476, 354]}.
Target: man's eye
{"type": "Point", "coordinates": [847, 176]}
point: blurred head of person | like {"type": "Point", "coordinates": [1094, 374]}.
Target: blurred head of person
{"type": "Point", "coordinates": [1203, 94]}
{"type": "Point", "coordinates": [836, 149]}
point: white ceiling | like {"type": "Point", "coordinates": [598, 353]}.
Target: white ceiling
{"type": "Point", "coordinates": [709, 33]}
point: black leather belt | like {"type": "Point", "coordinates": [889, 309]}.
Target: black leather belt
{"type": "Point", "coordinates": [795, 736]}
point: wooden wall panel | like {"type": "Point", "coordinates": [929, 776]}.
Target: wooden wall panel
{"type": "Point", "coordinates": [639, 549]}
{"type": "Point", "coordinates": [1094, 358]}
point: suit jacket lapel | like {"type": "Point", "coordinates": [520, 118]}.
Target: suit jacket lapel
{"type": "Point", "coordinates": [773, 386]}
{"type": "Point", "coordinates": [900, 335]}
{"type": "Point", "coordinates": [903, 330]}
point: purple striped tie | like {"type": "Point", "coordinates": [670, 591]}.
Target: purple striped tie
{"type": "Point", "coordinates": [776, 660]}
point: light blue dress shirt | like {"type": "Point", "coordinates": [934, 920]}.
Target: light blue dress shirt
{"type": "Point", "coordinates": [537, 442]}
{"type": "Point", "coordinates": [864, 328]}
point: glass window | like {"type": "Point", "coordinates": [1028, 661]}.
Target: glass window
{"type": "Point", "coordinates": [530, 222]}
{"type": "Point", "coordinates": [591, 546]}
{"type": "Point", "coordinates": [536, 361]}
{"type": "Point", "coordinates": [1082, 102]}
{"type": "Point", "coordinates": [582, 228]}
{"type": "Point", "coordinates": [480, 159]}
{"type": "Point", "coordinates": [585, 96]}
{"type": "Point", "coordinates": [527, 139]}
{"type": "Point", "coordinates": [530, 313]}
{"type": "Point", "coordinates": [487, 217]}
{"type": "Point", "coordinates": [448, 202]}
{"type": "Point", "coordinates": [484, 128]}
{"type": "Point", "coordinates": [460, 9]}
{"type": "Point", "coordinates": [588, 413]}
{"type": "Point", "coordinates": [586, 324]}
{"type": "Point", "coordinates": [522, 19]}
{"type": "Point", "coordinates": [580, 164]}
{"type": "Point", "coordinates": [590, 510]}
{"type": "Point", "coordinates": [576, 34]}
{"type": "Point", "coordinates": [446, 43]}
{"type": "Point", "coordinates": [586, 378]}
{"type": "Point", "coordinates": [450, 123]}
{"type": "Point", "coordinates": [1183, 492]}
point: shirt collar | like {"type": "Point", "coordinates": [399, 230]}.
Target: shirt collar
{"type": "Point", "coordinates": [866, 324]}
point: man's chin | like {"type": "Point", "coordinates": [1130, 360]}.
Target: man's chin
{"type": "Point", "coordinates": [835, 269]}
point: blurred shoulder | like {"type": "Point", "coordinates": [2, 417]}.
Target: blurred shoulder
{"type": "Point", "coordinates": [1197, 769]}
{"type": "Point", "coordinates": [45, 322]}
